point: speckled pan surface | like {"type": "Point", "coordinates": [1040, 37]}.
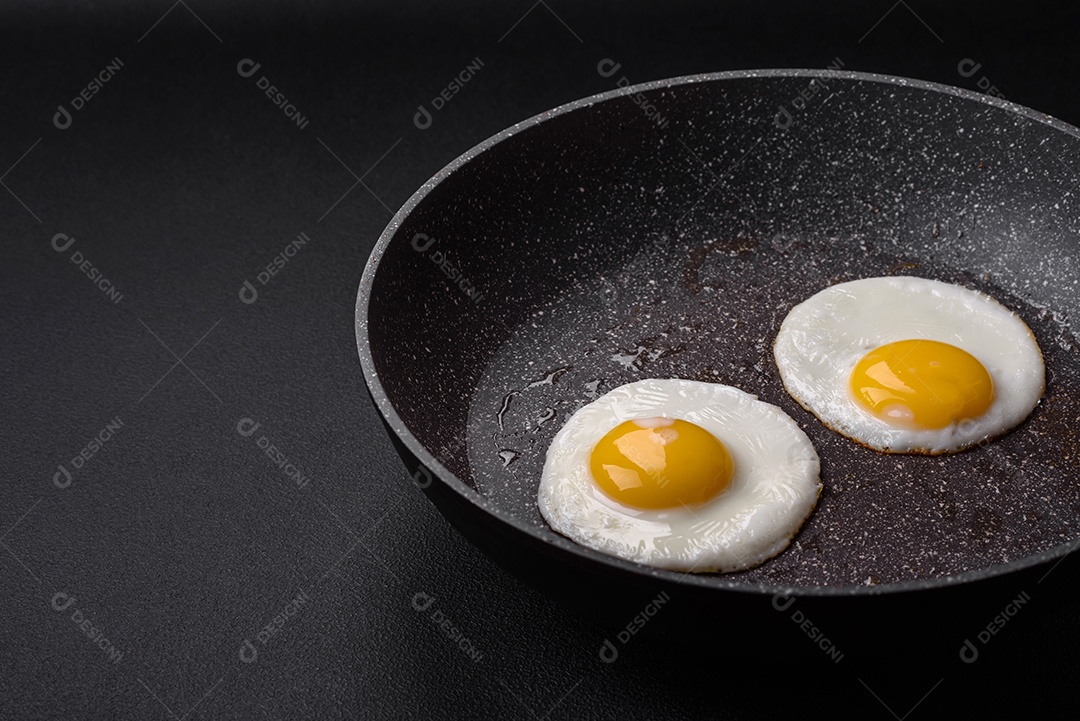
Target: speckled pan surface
{"type": "Point", "coordinates": [665, 230]}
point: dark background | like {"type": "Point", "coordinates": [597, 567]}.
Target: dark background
{"type": "Point", "coordinates": [180, 539]}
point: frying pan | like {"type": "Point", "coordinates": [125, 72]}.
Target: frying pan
{"type": "Point", "coordinates": [664, 230]}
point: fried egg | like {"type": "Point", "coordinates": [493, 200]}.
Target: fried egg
{"type": "Point", "coordinates": [680, 475]}
{"type": "Point", "coordinates": [910, 365]}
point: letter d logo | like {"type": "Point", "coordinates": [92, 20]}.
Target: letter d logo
{"type": "Point", "coordinates": [248, 294]}
{"type": "Point", "coordinates": [782, 602]}
{"type": "Point", "coordinates": [61, 601]}
{"type": "Point", "coordinates": [422, 119]}
{"type": "Point", "coordinates": [62, 118]}
{"type": "Point", "coordinates": [62, 478]}
{"type": "Point", "coordinates": [246, 426]}
{"type": "Point", "coordinates": [783, 119]}
{"type": "Point", "coordinates": [608, 652]}
{"type": "Point", "coordinates": [61, 242]}
{"type": "Point", "coordinates": [422, 601]}
{"type": "Point", "coordinates": [607, 67]}
{"type": "Point", "coordinates": [968, 652]}
{"type": "Point", "coordinates": [248, 652]}
{"type": "Point", "coordinates": [968, 67]}
{"type": "Point", "coordinates": [247, 67]}
{"type": "Point", "coordinates": [421, 242]}
{"type": "Point", "coordinates": [422, 477]}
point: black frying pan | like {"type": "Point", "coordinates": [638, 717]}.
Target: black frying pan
{"type": "Point", "coordinates": [665, 230]}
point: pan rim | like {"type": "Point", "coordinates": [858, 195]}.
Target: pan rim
{"type": "Point", "coordinates": [584, 554]}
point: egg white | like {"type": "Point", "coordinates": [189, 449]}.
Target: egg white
{"type": "Point", "coordinates": [774, 487]}
{"type": "Point", "coordinates": [823, 338]}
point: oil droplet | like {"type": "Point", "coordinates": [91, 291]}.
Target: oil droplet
{"type": "Point", "coordinates": [549, 413]}
{"type": "Point", "coordinates": [550, 378]}
{"type": "Point", "coordinates": [505, 407]}
{"type": "Point", "coordinates": [629, 360]}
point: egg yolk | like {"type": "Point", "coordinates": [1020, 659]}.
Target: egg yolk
{"type": "Point", "coordinates": [922, 384]}
{"type": "Point", "coordinates": [660, 463]}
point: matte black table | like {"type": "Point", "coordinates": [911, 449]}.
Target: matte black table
{"type": "Point", "coordinates": [201, 514]}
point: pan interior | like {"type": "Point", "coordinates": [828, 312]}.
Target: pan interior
{"type": "Point", "coordinates": [666, 234]}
